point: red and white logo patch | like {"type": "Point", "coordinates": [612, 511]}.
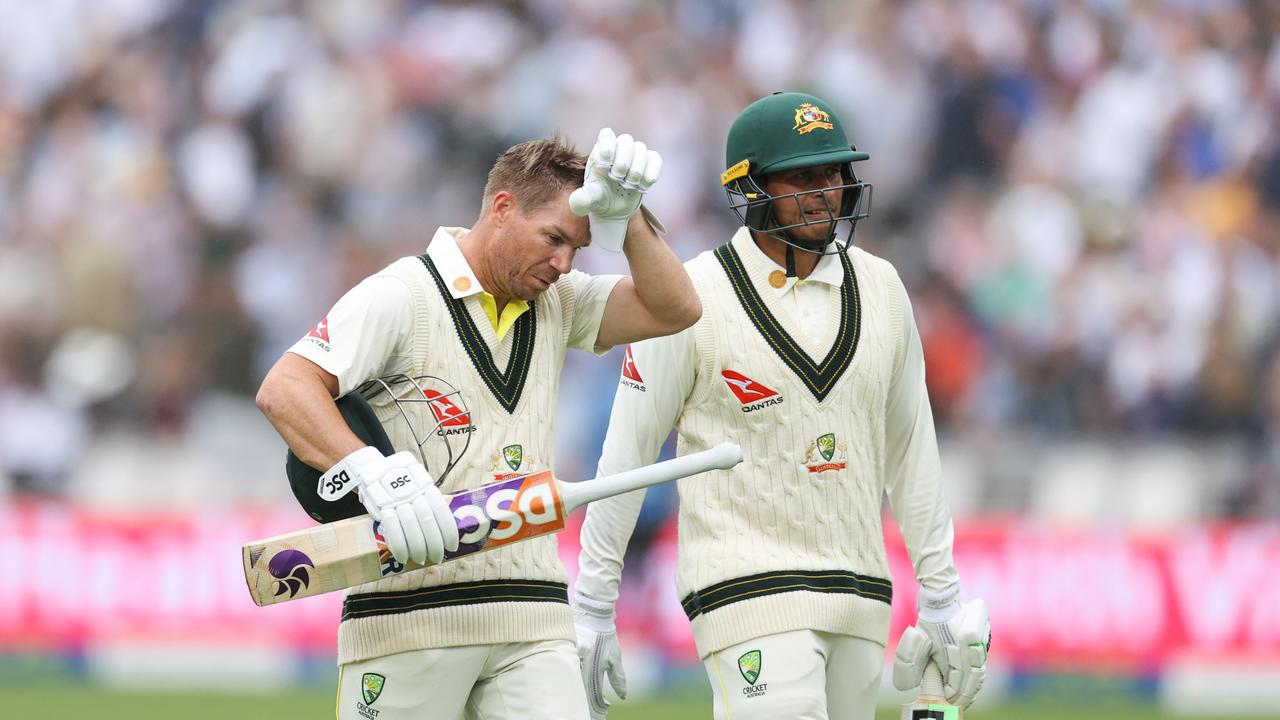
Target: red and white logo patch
{"type": "Point", "coordinates": [447, 414]}
{"type": "Point", "coordinates": [321, 330]}
{"type": "Point", "coordinates": [629, 370]}
{"type": "Point", "coordinates": [746, 389]}
{"type": "Point", "coordinates": [630, 373]}
{"type": "Point", "coordinates": [750, 393]}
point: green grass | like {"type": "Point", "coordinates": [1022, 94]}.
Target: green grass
{"type": "Point", "coordinates": [74, 702]}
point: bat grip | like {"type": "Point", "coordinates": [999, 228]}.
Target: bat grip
{"type": "Point", "coordinates": [931, 683]}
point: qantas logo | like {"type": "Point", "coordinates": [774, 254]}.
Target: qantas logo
{"type": "Point", "coordinates": [750, 393]}
{"type": "Point", "coordinates": [629, 370]}
{"type": "Point", "coordinates": [447, 414]}
{"type": "Point", "coordinates": [630, 374]}
{"type": "Point", "coordinates": [321, 330]}
{"type": "Point", "coordinates": [321, 333]}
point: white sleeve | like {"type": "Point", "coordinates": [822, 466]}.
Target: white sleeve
{"type": "Point", "coordinates": [590, 295]}
{"type": "Point", "coordinates": [912, 468]}
{"type": "Point", "coordinates": [368, 333]}
{"type": "Point", "coordinates": [657, 377]}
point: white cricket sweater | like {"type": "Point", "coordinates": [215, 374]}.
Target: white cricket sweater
{"type": "Point", "coordinates": [516, 593]}
{"type": "Point", "coordinates": [828, 422]}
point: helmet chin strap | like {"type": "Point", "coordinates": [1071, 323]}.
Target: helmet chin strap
{"type": "Point", "coordinates": [794, 244]}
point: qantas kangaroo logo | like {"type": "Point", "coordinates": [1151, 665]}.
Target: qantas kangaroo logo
{"type": "Point", "coordinates": [630, 374]}
{"type": "Point", "coordinates": [451, 418]}
{"type": "Point", "coordinates": [750, 393]}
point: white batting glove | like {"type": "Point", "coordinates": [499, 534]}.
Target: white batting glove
{"type": "Point", "coordinates": [619, 171]}
{"type": "Point", "coordinates": [399, 493]}
{"type": "Point", "coordinates": [599, 651]}
{"type": "Point", "coordinates": [956, 636]}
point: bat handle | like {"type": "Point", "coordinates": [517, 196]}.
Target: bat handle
{"type": "Point", "coordinates": [931, 683]}
{"type": "Point", "coordinates": [725, 455]}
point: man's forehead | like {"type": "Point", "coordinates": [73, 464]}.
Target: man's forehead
{"type": "Point", "coordinates": [576, 233]}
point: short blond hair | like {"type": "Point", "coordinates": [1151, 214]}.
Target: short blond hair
{"type": "Point", "coordinates": [534, 172]}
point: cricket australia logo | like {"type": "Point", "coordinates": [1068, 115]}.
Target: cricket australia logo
{"type": "Point", "coordinates": [513, 454]}
{"type": "Point", "coordinates": [825, 453]}
{"type": "Point", "coordinates": [370, 688]}
{"type": "Point", "coordinates": [749, 666]}
{"type": "Point", "coordinates": [509, 458]}
{"type": "Point", "coordinates": [810, 117]}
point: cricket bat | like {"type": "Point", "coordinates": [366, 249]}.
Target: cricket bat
{"type": "Point", "coordinates": [351, 552]}
{"type": "Point", "coordinates": [932, 703]}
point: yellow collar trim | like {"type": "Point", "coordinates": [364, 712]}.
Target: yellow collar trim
{"type": "Point", "coordinates": [510, 313]}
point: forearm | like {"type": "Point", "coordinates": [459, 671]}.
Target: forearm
{"type": "Point", "coordinates": [297, 398]}
{"type": "Point", "coordinates": [914, 470]}
{"type": "Point", "coordinates": [661, 283]}
{"type": "Point", "coordinates": [639, 424]}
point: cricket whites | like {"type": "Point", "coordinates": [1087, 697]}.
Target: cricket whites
{"type": "Point", "coordinates": [351, 552]}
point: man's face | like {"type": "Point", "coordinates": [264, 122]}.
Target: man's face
{"type": "Point", "coordinates": [813, 206]}
{"type": "Point", "coordinates": [539, 246]}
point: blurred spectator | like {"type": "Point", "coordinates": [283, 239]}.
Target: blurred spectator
{"type": "Point", "coordinates": [1086, 191]}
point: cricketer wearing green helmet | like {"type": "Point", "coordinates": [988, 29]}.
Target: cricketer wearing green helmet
{"type": "Point", "coordinates": [807, 355]}
{"type": "Point", "coordinates": [790, 175]}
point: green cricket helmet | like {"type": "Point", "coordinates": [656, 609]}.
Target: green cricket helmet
{"type": "Point", "coordinates": [360, 417]}
{"type": "Point", "coordinates": [788, 131]}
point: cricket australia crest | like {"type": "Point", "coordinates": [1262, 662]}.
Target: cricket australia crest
{"type": "Point", "coordinates": [810, 117]}
{"type": "Point", "coordinates": [825, 453]}
{"type": "Point", "coordinates": [371, 687]}
{"type": "Point", "coordinates": [513, 454]}
{"type": "Point", "coordinates": [507, 462]}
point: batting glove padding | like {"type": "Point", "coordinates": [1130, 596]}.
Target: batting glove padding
{"type": "Point", "coordinates": [400, 494]}
{"type": "Point", "coordinates": [956, 636]}
{"type": "Point", "coordinates": [619, 171]}
{"type": "Point", "coordinates": [599, 652]}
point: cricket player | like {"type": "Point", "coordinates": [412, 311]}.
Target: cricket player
{"type": "Point", "coordinates": [489, 310]}
{"type": "Point", "coordinates": [807, 355]}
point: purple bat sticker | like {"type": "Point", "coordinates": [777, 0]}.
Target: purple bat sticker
{"type": "Point", "coordinates": [289, 567]}
{"type": "Point", "coordinates": [493, 515]}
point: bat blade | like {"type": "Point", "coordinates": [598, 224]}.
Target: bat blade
{"type": "Point", "coordinates": [932, 703]}
{"type": "Point", "coordinates": [351, 552]}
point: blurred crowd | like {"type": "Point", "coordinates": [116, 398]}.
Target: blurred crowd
{"type": "Point", "coordinates": [1083, 196]}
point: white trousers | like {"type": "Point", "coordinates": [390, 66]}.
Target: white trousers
{"type": "Point", "coordinates": [533, 681]}
{"type": "Point", "coordinates": [799, 675]}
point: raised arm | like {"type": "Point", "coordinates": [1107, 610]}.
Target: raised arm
{"type": "Point", "coordinates": [658, 298]}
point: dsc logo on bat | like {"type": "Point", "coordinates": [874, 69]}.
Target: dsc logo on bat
{"type": "Point", "coordinates": [494, 515]}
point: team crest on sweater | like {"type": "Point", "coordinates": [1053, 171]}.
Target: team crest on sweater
{"type": "Point", "coordinates": [751, 394]}
{"type": "Point", "coordinates": [825, 453]}
{"type": "Point", "coordinates": [507, 463]}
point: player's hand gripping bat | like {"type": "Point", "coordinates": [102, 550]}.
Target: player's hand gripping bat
{"type": "Point", "coordinates": [932, 703]}
{"type": "Point", "coordinates": [351, 552]}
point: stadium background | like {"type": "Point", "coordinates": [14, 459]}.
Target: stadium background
{"type": "Point", "coordinates": [1082, 196]}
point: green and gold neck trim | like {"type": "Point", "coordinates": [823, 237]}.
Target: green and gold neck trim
{"type": "Point", "coordinates": [819, 377]}
{"type": "Point", "coordinates": [505, 386]}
